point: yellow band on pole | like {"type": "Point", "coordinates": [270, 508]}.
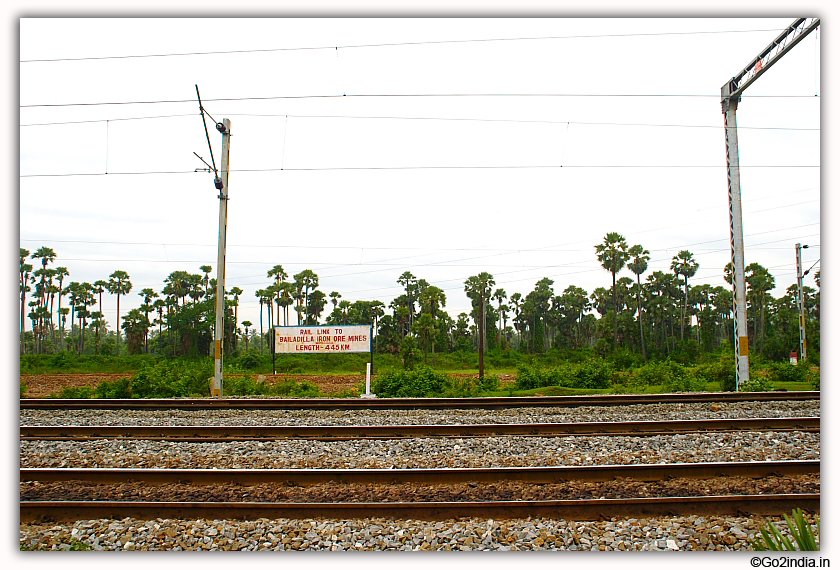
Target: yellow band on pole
{"type": "Point", "coordinates": [744, 346]}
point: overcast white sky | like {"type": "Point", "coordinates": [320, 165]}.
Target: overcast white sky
{"type": "Point", "coordinates": [361, 163]}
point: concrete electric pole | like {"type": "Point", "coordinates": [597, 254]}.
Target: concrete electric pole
{"type": "Point", "coordinates": [219, 335]}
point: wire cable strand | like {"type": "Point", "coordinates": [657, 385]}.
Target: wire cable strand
{"type": "Point", "coordinates": [391, 44]}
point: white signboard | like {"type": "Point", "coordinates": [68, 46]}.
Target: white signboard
{"type": "Point", "coordinates": [322, 339]}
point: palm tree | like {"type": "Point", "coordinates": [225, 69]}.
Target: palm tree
{"type": "Point", "coordinates": [334, 297]}
{"type": "Point", "coordinates": [25, 269]}
{"type": "Point", "coordinates": [499, 295]}
{"type": "Point", "coordinates": [478, 288]}
{"type": "Point", "coordinates": [260, 294]}
{"type": "Point", "coordinates": [760, 282]}
{"type": "Point", "coordinates": [308, 280]}
{"type": "Point", "coordinates": [613, 255]}
{"type": "Point", "coordinates": [683, 264]}
{"type": "Point", "coordinates": [639, 262]}
{"type": "Point", "coordinates": [206, 269]}
{"type": "Point", "coordinates": [247, 325]}
{"type": "Point", "coordinates": [236, 292]}
{"type": "Point", "coordinates": [60, 274]}
{"type": "Point", "coordinates": [280, 276]}
{"type": "Point", "coordinates": [118, 285]}
{"type": "Point", "coordinates": [431, 299]}
{"type": "Point", "coordinates": [148, 293]}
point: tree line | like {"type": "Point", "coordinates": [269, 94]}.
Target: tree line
{"type": "Point", "coordinates": [653, 315]}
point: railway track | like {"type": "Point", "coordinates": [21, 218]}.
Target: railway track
{"type": "Point", "coordinates": [538, 475]}
{"type": "Point", "coordinates": [582, 509]}
{"type": "Point", "coordinates": [577, 509]}
{"type": "Point", "coordinates": [328, 433]}
{"type": "Point", "coordinates": [408, 403]}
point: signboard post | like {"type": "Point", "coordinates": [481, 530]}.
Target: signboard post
{"type": "Point", "coordinates": [326, 339]}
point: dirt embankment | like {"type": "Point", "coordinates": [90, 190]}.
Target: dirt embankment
{"type": "Point", "coordinates": [42, 385]}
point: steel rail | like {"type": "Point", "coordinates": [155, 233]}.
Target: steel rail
{"type": "Point", "coordinates": [580, 509]}
{"type": "Point", "coordinates": [343, 432]}
{"type": "Point", "coordinates": [408, 403]}
{"type": "Point", "coordinates": [306, 477]}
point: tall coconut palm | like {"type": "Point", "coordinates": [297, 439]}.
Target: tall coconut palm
{"type": "Point", "coordinates": [613, 255]}
{"type": "Point", "coordinates": [683, 264]}
{"type": "Point", "coordinates": [119, 284]}
{"type": "Point", "coordinates": [638, 264]}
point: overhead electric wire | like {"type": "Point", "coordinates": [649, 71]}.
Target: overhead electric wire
{"type": "Point", "coordinates": [433, 167]}
{"type": "Point", "coordinates": [364, 95]}
{"type": "Point", "coordinates": [393, 44]}
{"type": "Point", "coordinates": [464, 119]}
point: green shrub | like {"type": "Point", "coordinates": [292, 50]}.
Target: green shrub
{"type": "Point", "coordinates": [63, 359]}
{"type": "Point", "coordinates": [410, 353]}
{"type": "Point", "coordinates": [460, 388]}
{"type": "Point", "coordinates": [116, 389]}
{"type": "Point", "coordinates": [423, 382]}
{"type": "Point", "coordinates": [490, 383]}
{"type": "Point", "coordinates": [75, 393]}
{"type": "Point", "coordinates": [787, 372]}
{"type": "Point", "coordinates": [593, 374]}
{"type": "Point", "coordinates": [804, 536]}
{"type": "Point", "coordinates": [756, 383]}
{"type": "Point", "coordinates": [722, 371]}
{"type": "Point", "coordinates": [23, 389]}
{"type": "Point", "coordinates": [672, 376]}
{"type": "Point", "coordinates": [173, 379]}
{"type": "Point", "coordinates": [251, 359]}
{"type": "Point", "coordinates": [814, 378]}
{"type": "Point", "coordinates": [292, 389]}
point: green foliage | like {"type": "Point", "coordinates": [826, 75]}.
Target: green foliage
{"type": "Point", "coordinates": [62, 360]}
{"type": "Point", "coordinates": [410, 353]}
{"type": "Point", "coordinates": [173, 379]}
{"type": "Point", "coordinates": [756, 383]}
{"type": "Point", "coordinates": [422, 382]}
{"type": "Point", "coordinates": [814, 378]}
{"type": "Point", "coordinates": [787, 372]}
{"type": "Point", "coordinates": [75, 393]}
{"type": "Point", "coordinates": [251, 360]}
{"type": "Point", "coordinates": [292, 389]}
{"type": "Point", "coordinates": [591, 374]}
{"type": "Point", "coordinates": [670, 376]}
{"type": "Point", "coordinates": [490, 383]}
{"type": "Point", "coordinates": [624, 359]}
{"type": "Point", "coordinates": [686, 352]}
{"type": "Point", "coordinates": [801, 531]}
{"type": "Point", "coordinates": [116, 389]}
{"type": "Point", "coordinates": [721, 371]}
{"type": "Point", "coordinates": [23, 389]}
